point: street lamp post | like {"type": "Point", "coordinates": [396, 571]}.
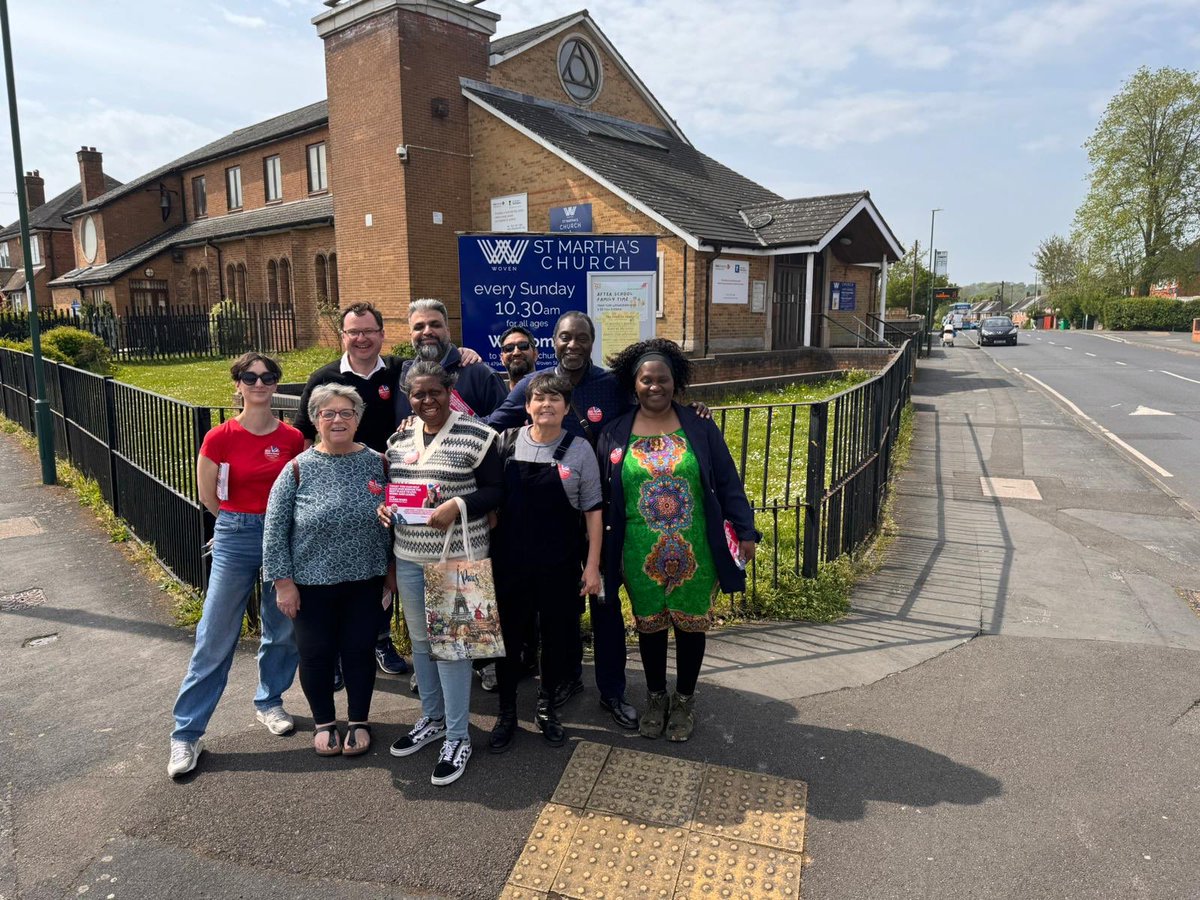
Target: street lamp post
{"type": "Point", "coordinates": [929, 321]}
{"type": "Point", "coordinates": [41, 409]}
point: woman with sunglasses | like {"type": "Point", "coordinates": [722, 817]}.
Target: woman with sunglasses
{"type": "Point", "coordinates": [239, 461]}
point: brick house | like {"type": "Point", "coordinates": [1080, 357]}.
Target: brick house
{"type": "Point", "coordinates": [49, 241]}
{"type": "Point", "coordinates": [428, 119]}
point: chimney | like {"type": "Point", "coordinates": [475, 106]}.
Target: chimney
{"type": "Point", "coordinates": [35, 190]}
{"type": "Point", "coordinates": [91, 172]}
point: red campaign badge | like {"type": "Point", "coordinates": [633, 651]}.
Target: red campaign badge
{"type": "Point", "coordinates": [385, 392]}
{"type": "Point", "coordinates": [374, 487]}
{"type": "Point", "coordinates": [411, 457]}
{"type": "Point", "coordinates": [616, 455]}
{"type": "Point", "coordinates": [564, 472]}
{"type": "Point", "coordinates": [271, 453]}
{"type": "Point", "coordinates": [595, 414]}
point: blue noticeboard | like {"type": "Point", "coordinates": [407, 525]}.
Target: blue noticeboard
{"type": "Point", "coordinates": [565, 219]}
{"type": "Point", "coordinates": [841, 295]}
{"type": "Point", "coordinates": [530, 281]}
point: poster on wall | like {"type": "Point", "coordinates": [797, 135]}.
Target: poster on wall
{"type": "Point", "coordinates": [567, 219]}
{"type": "Point", "coordinates": [758, 297]}
{"type": "Point", "coordinates": [842, 295]}
{"type": "Point", "coordinates": [731, 281]}
{"type": "Point", "coordinates": [531, 281]}
{"type": "Point", "coordinates": [510, 213]}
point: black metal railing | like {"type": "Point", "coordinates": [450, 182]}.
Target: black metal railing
{"type": "Point", "coordinates": [178, 332]}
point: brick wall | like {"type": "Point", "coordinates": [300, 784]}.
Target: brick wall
{"type": "Point", "coordinates": [128, 221]}
{"type": "Point", "coordinates": [866, 301]}
{"type": "Point", "coordinates": [731, 326]}
{"type": "Point", "coordinates": [536, 72]}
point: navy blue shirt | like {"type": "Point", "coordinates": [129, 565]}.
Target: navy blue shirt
{"type": "Point", "coordinates": [595, 402]}
{"type": "Point", "coordinates": [480, 387]}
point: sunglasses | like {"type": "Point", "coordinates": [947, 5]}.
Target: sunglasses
{"type": "Point", "coordinates": [514, 347]}
{"type": "Point", "coordinates": [267, 378]}
{"type": "Point", "coordinates": [329, 415]}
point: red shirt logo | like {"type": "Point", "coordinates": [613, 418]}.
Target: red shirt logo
{"type": "Point", "coordinates": [271, 453]}
{"type": "Point", "coordinates": [564, 472]}
{"type": "Point", "coordinates": [374, 487]}
{"type": "Point", "coordinates": [616, 455]}
{"type": "Point", "coordinates": [595, 414]}
{"type": "Point", "coordinates": [385, 392]}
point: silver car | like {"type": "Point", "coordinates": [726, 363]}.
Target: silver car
{"type": "Point", "coordinates": [997, 330]}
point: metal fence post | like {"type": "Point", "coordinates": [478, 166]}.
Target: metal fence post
{"type": "Point", "coordinates": [201, 423]}
{"type": "Point", "coordinates": [110, 415]}
{"type": "Point", "coordinates": [814, 491]}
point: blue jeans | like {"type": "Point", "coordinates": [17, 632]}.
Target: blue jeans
{"type": "Point", "coordinates": [445, 685]}
{"type": "Point", "coordinates": [236, 560]}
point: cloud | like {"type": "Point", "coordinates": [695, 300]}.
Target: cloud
{"type": "Point", "coordinates": [242, 21]}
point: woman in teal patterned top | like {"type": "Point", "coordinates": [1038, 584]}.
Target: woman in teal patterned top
{"type": "Point", "coordinates": [330, 560]}
{"type": "Point", "coordinates": [670, 488]}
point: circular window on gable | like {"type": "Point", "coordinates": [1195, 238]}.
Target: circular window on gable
{"type": "Point", "coordinates": [579, 70]}
{"type": "Point", "coordinates": [87, 237]}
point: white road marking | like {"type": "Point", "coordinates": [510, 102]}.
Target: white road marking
{"type": "Point", "coordinates": [1150, 411]}
{"type": "Point", "coordinates": [1066, 348]}
{"type": "Point", "coordinates": [1180, 377]}
{"type": "Point", "coordinates": [1115, 340]}
{"type": "Point", "coordinates": [1137, 454]}
{"type": "Point", "coordinates": [1119, 363]}
{"type": "Point", "coordinates": [1089, 354]}
{"type": "Point", "coordinates": [1053, 344]}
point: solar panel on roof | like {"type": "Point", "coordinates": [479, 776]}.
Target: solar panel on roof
{"type": "Point", "coordinates": [624, 133]}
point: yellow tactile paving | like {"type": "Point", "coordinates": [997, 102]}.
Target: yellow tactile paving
{"type": "Point", "coordinates": [623, 823]}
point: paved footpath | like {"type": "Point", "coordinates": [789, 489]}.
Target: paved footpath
{"type": "Point", "coordinates": [1008, 712]}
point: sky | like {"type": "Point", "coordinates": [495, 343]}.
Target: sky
{"type": "Point", "coordinates": [979, 107]}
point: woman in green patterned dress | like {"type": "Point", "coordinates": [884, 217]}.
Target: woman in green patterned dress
{"type": "Point", "coordinates": [677, 525]}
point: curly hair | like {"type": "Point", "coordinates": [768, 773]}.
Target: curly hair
{"type": "Point", "coordinates": [624, 364]}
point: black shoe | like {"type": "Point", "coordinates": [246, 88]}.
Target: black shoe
{"type": "Point", "coordinates": [547, 721]}
{"type": "Point", "coordinates": [566, 691]}
{"type": "Point", "coordinates": [622, 712]}
{"type": "Point", "coordinates": [388, 659]}
{"type": "Point", "coordinates": [503, 731]}
{"type": "Point", "coordinates": [339, 681]}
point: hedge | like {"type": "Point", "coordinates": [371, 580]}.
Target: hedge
{"type": "Point", "coordinates": [1150, 314]}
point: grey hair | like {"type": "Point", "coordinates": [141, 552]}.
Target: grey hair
{"type": "Point", "coordinates": [429, 304]}
{"type": "Point", "coordinates": [425, 368]}
{"type": "Point", "coordinates": [323, 393]}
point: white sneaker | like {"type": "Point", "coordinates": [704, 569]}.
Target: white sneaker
{"type": "Point", "coordinates": [452, 762]}
{"type": "Point", "coordinates": [276, 719]}
{"type": "Point", "coordinates": [184, 756]}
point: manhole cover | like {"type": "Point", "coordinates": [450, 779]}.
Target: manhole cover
{"type": "Point", "coordinates": [41, 640]}
{"type": "Point", "coordinates": [22, 600]}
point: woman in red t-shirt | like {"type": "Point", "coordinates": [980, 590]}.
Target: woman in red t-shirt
{"type": "Point", "coordinates": [239, 461]}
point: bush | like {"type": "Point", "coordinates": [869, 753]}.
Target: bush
{"type": "Point", "coordinates": [229, 329]}
{"type": "Point", "coordinates": [404, 351]}
{"type": "Point", "coordinates": [77, 348]}
{"type": "Point", "coordinates": [1150, 313]}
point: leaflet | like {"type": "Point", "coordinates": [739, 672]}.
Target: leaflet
{"type": "Point", "coordinates": [412, 503]}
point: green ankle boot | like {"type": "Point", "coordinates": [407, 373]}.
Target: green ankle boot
{"type": "Point", "coordinates": [654, 719]}
{"type": "Point", "coordinates": [683, 717]}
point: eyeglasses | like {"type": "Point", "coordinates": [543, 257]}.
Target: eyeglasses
{"type": "Point", "coordinates": [515, 346]}
{"type": "Point", "coordinates": [361, 332]}
{"type": "Point", "coordinates": [267, 378]}
{"type": "Point", "coordinates": [328, 415]}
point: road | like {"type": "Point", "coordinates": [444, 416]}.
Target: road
{"type": "Point", "coordinates": [1146, 400]}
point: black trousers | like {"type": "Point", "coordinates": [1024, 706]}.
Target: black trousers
{"type": "Point", "coordinates": [551, 597]}
{"type": "Point", "coordinates": [338, 620]}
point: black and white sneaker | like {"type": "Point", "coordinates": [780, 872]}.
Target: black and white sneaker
{"type": "Point", "coordinates": [425, 731]}
{"type": "Point", "coordinates": [452, 763]}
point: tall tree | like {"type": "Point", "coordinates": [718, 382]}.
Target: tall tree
{"type": "Point", "coordinates": [900, 280]}
{"type": "Point", "coordinates": [1143, 200]}
{"type": "Point", "coordinates": [1057, 261]}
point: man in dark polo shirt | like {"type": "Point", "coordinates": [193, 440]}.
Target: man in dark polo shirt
{"type": "Point", "coordinates": [518, 354]}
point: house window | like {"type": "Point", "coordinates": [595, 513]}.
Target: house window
{"type": "Point", "coordinates": [285, 282]}
{"type": "Point", "coordinates": [200, 285]}
{"type": "Point", "coordinates": [579, 70]}
{"type": "Point", "coordinates": [318, 174]}
{"type": "Point", "coordinates": [88, 240]}
{"type": "Point", "coordinates": [272, 282]}
{"type": "Point", "coordinates": [4, 261]}
{"type": "Point", "coordinates": [233, 187]}
{"type": "Point", "coordinates": [322, 278]}
{"type": "Point", "coordinates": [241, 283]}
{"type": "Point", "coordinates": [333, 279]}
{"type": "Point", "coordinates": [230, 284]}
{"type": "Point", "coordinates": [35, 250]}
{"type": "Point", "coordinates": [199, 197]}
{"type": "Point", "coordinates": [273, 178]}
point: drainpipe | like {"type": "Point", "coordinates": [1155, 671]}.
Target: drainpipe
{"type": "Point", "coordinates": [716, 249]}
{"type": "Point", "coordinates": [683, 336]}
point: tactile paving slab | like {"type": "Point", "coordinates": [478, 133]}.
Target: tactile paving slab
{"type": "Point", "coordinates": [21, 526]}
{"type": "Point", "coordinates": [617, 856]}
{"type": "Point", "coordinates": [647, 786]}
{"type": "Point", "coordinates": [520, 893]}
{"type": "Point", "coordinates": [714, 867]}
{"type": "Point", "coordinates": [575, 786]}
{"type": "Point", "coordinates": [545, 849]}
{"type": "Point", "coordinates": [748, 806]}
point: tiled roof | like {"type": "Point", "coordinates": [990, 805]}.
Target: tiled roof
{"type": "Point", "coordinates": [50, 213]}
{"type": "Point", "coordinates": [298, 120]}
{"type": "Point", "coordinates": [502, 45]}
{"type": "Point", "coordinates": [314, 211]}
{"type": "Point", "coordinates": [16, 281]}
{"type": "Point", "coordinates": [802, 221]}
{"type": "Point", "coordinates": [692, 191]}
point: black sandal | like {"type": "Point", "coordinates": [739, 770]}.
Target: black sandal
{"type": "Point", "coordinates": [351, 747]}
{"type": "Point", "coordinates": [333, 746]}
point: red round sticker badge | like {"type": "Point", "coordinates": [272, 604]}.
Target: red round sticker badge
{"type": "Point", "coordinates": [595, 414]}
{"type": "Point", "coordinates": [374, 487]}
{"type": "Point", "coordinates": [271, 453]}
{"type": "Point", "coordinates": [411, 457]}
{"type": "Point", "coordinates": [385, 392]}
{"type": "Point", "coordinates": [616, 455]}
{"type": "Point", "coordinates": [564, 472]}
